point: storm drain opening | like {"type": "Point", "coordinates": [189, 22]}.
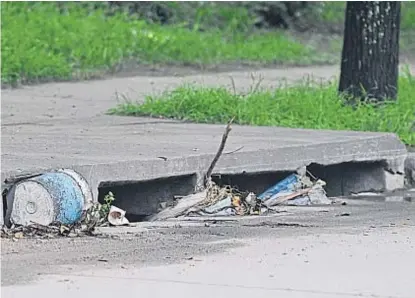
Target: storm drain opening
{"type": "Point", "coordinates": [349, 178]}
{"type": "Point", "coordinates": [141, 199]}
{"type": "Point", "coordinates": [341, 179]}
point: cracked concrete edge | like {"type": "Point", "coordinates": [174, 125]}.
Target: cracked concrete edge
{"type": "Point", "coordinates": [410, 168]}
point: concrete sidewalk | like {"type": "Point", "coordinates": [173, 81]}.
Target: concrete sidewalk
{"type": "Point", "coordinates": [63, 125]}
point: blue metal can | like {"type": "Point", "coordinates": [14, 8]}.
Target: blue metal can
{"type": "Point", "coordinates": [59, 196]}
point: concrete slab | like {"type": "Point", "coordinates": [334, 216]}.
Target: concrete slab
{"type": "Point", "coordinates": [109, 148]}
{"type": "Point", "coordinates": [63, 125]}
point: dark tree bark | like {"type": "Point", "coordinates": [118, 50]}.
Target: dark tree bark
{"type": "Point", "coordinates": [370, 56]}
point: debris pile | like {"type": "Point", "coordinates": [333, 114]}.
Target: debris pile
{"type": "Point", "coordinates": [225, 201]}
{"type": "Point", "coordinates": [294, 190]}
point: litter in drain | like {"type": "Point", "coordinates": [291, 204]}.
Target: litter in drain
{"type": "Point", "coordinates": [294, 190]}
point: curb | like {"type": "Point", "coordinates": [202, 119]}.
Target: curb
{"type": "Point", "coordinates": [410, 169]}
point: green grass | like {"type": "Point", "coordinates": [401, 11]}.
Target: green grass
{"type": "Point", "coordinates": [43, 41]}
{"type": "Point", "coordinates": [308, 105]}
{"type": "Point", "coordinates": [40, 43]}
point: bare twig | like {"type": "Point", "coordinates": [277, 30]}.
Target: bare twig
{"type": "Point", "coordinates": [18, 178]}
{"type": "Point", "coordinates": [183, 204]}
{"type": "Point", "coordinates": [280, 200]}
{"type": "Point", "coordinates": [233, 151]}
{"type": "Point", "coordinates": [219, 153]}
{"type": "Point", "coordinates": [233, 85]}
{"type": "Point", "coordinates": [257, 85]}
{"type": "Point", "coordinates": [312, 176]}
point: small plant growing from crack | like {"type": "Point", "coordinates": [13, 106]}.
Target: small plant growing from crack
{"type": "Point", "coordinates": [108, 200]}
{"type": "Point", "coordinates": [97, 215]}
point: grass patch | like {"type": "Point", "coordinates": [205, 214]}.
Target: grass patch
{"type": "Point", "coordinates": [307, 105]}
{"type": "Point", "coordinates": [80, 41]}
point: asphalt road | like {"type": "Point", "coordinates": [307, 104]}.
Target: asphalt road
{"type": "Point", "coordinates": [363, 249]}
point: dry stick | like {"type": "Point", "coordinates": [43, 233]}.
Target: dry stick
{"type": "Point", "coordinates": [233, 151]}
{"type": "Point", "coordinates": [257, 85]}
{"type": "Point", "coordinates": [233, 85]}
{"type": "Point", "coordinates": [18, 178]}
{"type": "Point", "coordinates": [312, 176]}
{"type": "Point", "coordinates": [194, 199]}
{"type": "Point", "coordinates": [219, 153]}
{"type": "Point", "coordinates": [182, 206]}
{"type": "Point", "coordinates": [276, 201]}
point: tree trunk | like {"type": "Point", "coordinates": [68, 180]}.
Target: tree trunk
{"type": "Point", "coordinates": [370, 56]}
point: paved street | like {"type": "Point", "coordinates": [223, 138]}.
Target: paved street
{"type": "Point", "coordinates": [363, 249]}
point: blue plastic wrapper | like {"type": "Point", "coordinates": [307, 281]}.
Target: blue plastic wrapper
{"type": "Point", "coordinates": [288, 184]}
